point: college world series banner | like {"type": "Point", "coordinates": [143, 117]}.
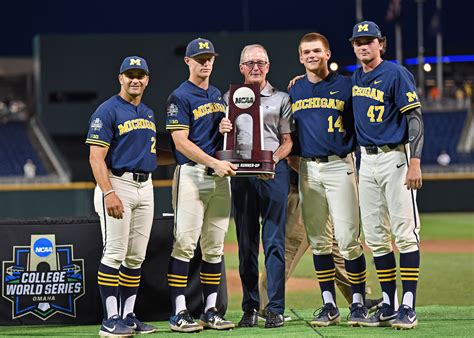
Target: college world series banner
{"type": "Point", "coordinates": [49, 273]}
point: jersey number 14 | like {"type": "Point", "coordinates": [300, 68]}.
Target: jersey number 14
{"type": "Point", "coordinates": [338, 124]}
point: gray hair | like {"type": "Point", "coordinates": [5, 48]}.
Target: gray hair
{"type": "Point", "coordinates": [248, 47]}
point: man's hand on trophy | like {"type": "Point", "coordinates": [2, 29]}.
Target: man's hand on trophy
{"type": "Point", "coordinates": [224, 168]}
{"type": "Point", "coordinates": [225, 126]}
{"type": "Point", "coordinates": [293, 81]}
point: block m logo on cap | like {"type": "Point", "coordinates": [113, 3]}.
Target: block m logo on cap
{"type": "Point", "coordinates": [363, 28]}
{"type": "Point", "coordinates": [135, 62]}
{"type": "Point", "coordinates": [203, 45]}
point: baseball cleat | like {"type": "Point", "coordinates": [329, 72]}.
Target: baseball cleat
{"type": "Point", "coordinates": [115, 327]}
{"type": "Point", "coordinates": [327, 315]}
{"type": "Point", "coordinates": [274, 320]}
{"type": "Point", "coordinates": [139, 327]}
{"type": "Point", "coordinates": [384, 316]}
{"type": "Point", "coordinates": [183, 322]}
{"type": "Point", "coordinates": [249, 319]}
{"type": "Point", "coordinates": [358, 315]}
{"type": "Point", "coordinates": [373, 304]}
{"type": "Point", "coordinates": [406, 318]}
{"type": "Point", "coordinates": [214, 320]}
{"type": "Point", "coordinates": [263, 317]}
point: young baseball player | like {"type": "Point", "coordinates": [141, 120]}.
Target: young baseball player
{"type": "Point", "coordinates": [264, 197]}
{"type": "Point", "coordinates": [390, 131]}
{"type": "Point", "coordinates": [201, 201]}
{"type": "Point", "coordinates": [122, 138]}
{"type": "Point", "coordinates": [296, 245]}
{"type": "Point", "coordinates": [322, 110]}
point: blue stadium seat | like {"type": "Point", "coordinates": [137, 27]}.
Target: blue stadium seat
{"type": "Point", "coordinates": [443, 132]}
{"type": "Point", "coordinates": [16, 148]}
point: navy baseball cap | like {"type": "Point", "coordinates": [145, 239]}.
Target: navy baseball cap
{"type": "Point", "coordinates": [134, 62]}
{"type": "Point", "coordinates": [200, 46]}
{"type": "Point", "coordinates": [366, 28]}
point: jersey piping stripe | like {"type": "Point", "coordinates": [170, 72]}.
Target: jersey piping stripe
{"type": "Point", "coordinates": [357, 190]}
{"type": "Point", "coordinates": [176, 126]}
{"type": "Point", "coordinates": [410, 106]}
{"type": "Point", "coordinates": [176, 209]}
{"type": "Point", "coordinates": [98, 143]}
{"type": "Point", "coordinates": [413, 204]}
{"type": "Point", "coordinates": [104, 215]}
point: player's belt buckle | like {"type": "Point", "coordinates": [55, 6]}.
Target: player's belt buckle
{"type": "Point", "coordinates": [140, 177]}
{"type": "Point", "coordinates": [326, 159]}
{"type": "Point", "coordinates": [371, 150]}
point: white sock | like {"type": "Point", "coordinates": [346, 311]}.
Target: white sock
{"type": "Point", "coordinates": [210, 301]}
{"type": "Point", "coordinates": [111, 306]}
{"type": "Point", "coordinates": [328, 298]}
{"type": "Point", "coordinates": [408, 299]}
{"type": "Point", "coordinates": [357, 298]}
{"type": "Point", "coordinates": [128, 305]}
{"type": "Point", "coordinates": [180, 304]}
{"type": "Point", "coordinates": [386, 298]}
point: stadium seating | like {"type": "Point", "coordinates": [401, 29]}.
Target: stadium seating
{"type": "Point", "coordinates": [16, 148]}
{"type": "Point", "coordinates": [443, 131]}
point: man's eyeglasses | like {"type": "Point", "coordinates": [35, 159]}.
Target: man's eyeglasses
{"type": "Point", "coordinates": [251, 64]}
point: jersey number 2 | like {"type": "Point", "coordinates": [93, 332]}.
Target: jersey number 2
{"type": "Point", "coordinates": [153, 145]}
{"type": "Point", "coordinates": [338, 124]}
{"type": "Point", "coordinates": [372, 110]}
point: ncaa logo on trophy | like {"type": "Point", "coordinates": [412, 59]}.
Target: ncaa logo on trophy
{"type": "Point", "coordinates": [243, 145]}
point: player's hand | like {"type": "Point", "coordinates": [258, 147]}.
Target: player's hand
{"type": "Point", "coordinates": [224, 168]}
{"type": "Point", "coordinates": [114, 206]}
{"type": "Point", "coordinates": [293, 81]}
{"type": "Point", "coordinates": [413, 179]}
{"type": "Point", "coordinates": [225, 126]}
{"type": "Point", "coordinates": [265, 176]}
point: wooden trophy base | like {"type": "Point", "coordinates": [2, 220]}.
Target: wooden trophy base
{"type": "Point", "coordinates": [261, 162]}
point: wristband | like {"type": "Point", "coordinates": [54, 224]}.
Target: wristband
{"type": "Point", "coordinates": [108, 192]}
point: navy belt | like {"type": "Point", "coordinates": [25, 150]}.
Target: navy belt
{"type": "Point", "coordinates": [137, 177]}
{"type": "Point", "coordinates": [325, 159]}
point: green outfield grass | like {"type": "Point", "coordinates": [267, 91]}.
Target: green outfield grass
{"type": "Point", "coordinates": [445, 301]}
{"type": "Point", "coordinates": [434, 321]}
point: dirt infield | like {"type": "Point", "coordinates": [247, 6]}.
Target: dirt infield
{"type": "Point", "coordinates": [301, 284]}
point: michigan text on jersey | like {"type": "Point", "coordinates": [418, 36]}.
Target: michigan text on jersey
{"type": "Point", "coordinates": [318, 102]}
{"type": "Point", "coordinates": [208, 108]}
{"type": "Point", "coordinates": [373, 93]}
{"type": "Point", "coordinates": [134, 124]}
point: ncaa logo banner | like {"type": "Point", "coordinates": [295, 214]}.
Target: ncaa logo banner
{"type": "Point", "coordinates": [43, 279]}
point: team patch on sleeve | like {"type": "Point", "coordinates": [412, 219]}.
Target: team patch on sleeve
{"type": "Point", "coordinates": [413, 102]}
